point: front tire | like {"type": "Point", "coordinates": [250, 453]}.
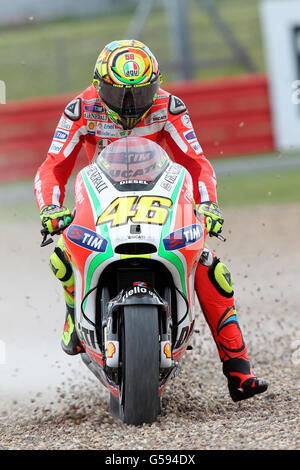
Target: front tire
{"type": "Point", "coordinates": [139, 400]}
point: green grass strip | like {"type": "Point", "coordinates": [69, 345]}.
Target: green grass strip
{"type": "Point", "coordinates": [278, 187]}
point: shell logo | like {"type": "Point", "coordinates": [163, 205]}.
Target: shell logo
{"type": "Point", "coordinates": [167, 350]}
{"type": "Point", "coordinates": [91, 125]}
{"type": "Point", "coordinates": [111, 349]}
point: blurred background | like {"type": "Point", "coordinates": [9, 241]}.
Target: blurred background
{"type": "Point", "coordinates": [50, 48]}
{"type": "Point", "coordinates": [222, 48]}
{"type": "Point", "coordinates": [215, 54]}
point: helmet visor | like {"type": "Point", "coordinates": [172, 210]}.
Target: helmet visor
{"type": "Point", "coordinates": [130, 103]}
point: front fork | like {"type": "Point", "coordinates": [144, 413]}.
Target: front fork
{"type": "Point", "coordinates": [111, 333]}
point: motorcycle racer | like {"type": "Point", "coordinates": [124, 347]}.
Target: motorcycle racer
{"type": "Point", "coordinates": [125, 99]}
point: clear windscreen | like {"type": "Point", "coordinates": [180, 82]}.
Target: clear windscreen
{"type": "Point", "coordinates": [133, 163]}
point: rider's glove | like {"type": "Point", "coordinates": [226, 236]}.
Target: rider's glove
{"type": "Point", "coordinates": [55, 218]}
{"type": "Point", "coordinates": [213, 217]}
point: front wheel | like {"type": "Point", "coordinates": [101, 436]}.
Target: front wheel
{"type": "Point", "coordinates": [139, 399]}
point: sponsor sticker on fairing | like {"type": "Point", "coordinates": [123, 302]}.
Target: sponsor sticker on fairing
{"type": "Point", "coordinates": [86, 238]}
{"type": "Point", "coordinates": [183, 237]}
{"type": "Point", "coordinates": [138, 290]}
{"type": "Point", "coordinates": [111, 349]}
{"type": "Point", "coordinates": [95, 176]}
{"type": "Point", "coordinates": [172, 173]}
{"type": "Point", "coordinates": [112, 354]}
{"type": "Point", "coordinates": [167, 350]}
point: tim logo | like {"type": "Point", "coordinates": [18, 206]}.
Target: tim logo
{"type": "Point", "coordinates": [2, 92]}
{"type": "Point", "coordinates": [183, 237]}
{"type": "Point", "coordinates": [87, 238]}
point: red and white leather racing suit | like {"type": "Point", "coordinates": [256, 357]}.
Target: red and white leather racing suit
{"type": "Point", "coordinates": [85, 122]}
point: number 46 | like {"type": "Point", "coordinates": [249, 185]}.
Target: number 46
{"type": "Point", "coordinates": [144, 209]}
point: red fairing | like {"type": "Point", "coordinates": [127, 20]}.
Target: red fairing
{"type": "Point", "coordinates": [83, 218]}
{"type": "Point", "coordinates": [85, 122]}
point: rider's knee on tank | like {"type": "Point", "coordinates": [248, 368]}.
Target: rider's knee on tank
{"type": "Point", "coordinates": [218, 273]}
{"type": "Point", "coordinates": [60, 265]}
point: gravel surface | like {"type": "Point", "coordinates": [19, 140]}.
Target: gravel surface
{"type": "Point", "coordinates": [50, 401]}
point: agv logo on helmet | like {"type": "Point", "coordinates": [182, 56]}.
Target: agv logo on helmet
{"type": "Point", "coordinates": [131, 68]}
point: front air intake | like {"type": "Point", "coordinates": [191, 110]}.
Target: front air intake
{"type": "Point", "coordinates": [135, 249]}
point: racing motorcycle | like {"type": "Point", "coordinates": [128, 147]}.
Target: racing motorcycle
{"type": "Point", "coordinates": [134, 244]}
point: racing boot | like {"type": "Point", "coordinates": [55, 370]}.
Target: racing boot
{"type": "Point", "coordinates": [242, 383]}
{"type": "Point", "coordinates": [214, 287]}
{"type": "Point", "coordinates": [62, 270]}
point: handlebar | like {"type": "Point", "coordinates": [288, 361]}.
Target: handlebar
{"type": "Point", "coordinates": [45, 233]}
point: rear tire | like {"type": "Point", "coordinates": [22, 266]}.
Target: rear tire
{"type": "Point", "coordinates": [139, 399]}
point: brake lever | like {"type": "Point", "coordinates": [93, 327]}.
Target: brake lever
{"type": "Point", "coordinates": [45, 234]}
{"type": "Point", "coordinates": [219, 236]}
